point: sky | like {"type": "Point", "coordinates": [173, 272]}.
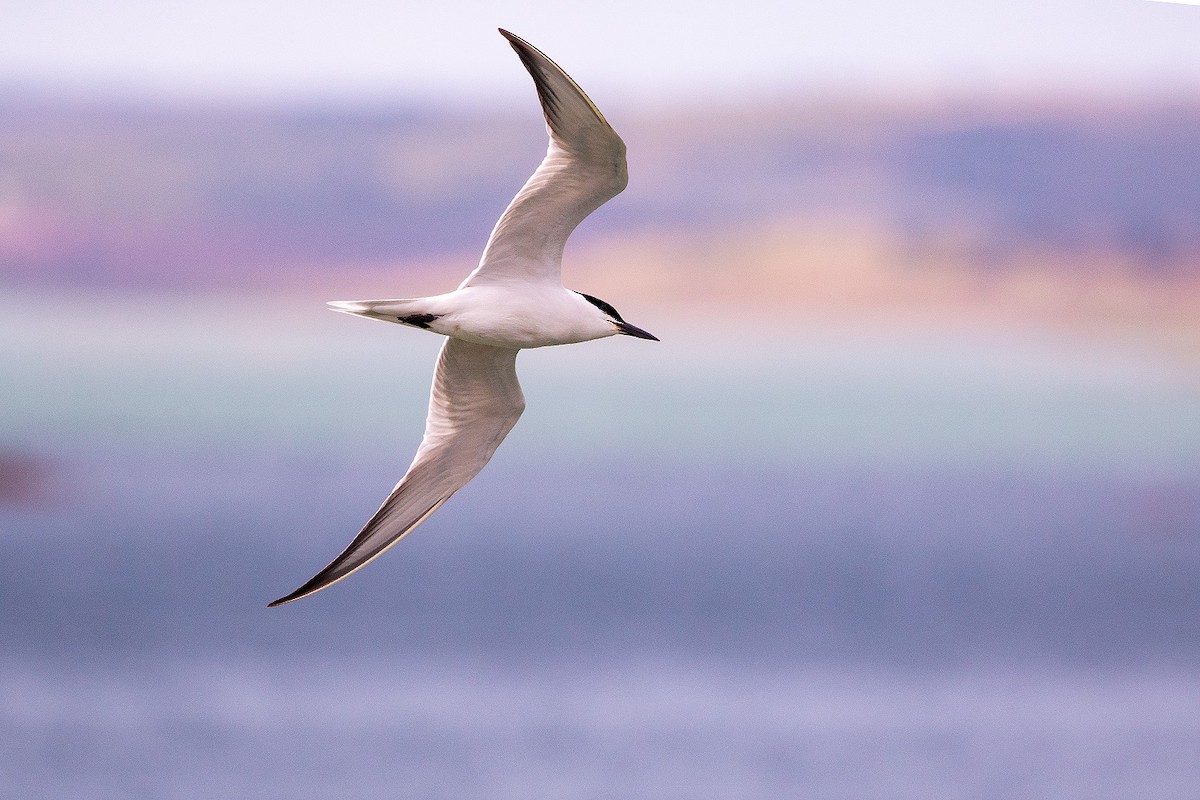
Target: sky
{"type": "Point", "coordinates": [646, 50]}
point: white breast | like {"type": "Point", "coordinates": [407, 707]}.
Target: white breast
{"type": "Point", "coordinates": [520, 316]}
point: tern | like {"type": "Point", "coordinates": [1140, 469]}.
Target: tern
{"type": "Point", "coordinates": [513, 300]}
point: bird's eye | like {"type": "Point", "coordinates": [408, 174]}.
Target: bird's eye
{"type": "Point", "coordinates": [603, 306]}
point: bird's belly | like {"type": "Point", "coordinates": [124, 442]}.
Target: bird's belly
{"type": "Point", "coordinates": [516, 331]}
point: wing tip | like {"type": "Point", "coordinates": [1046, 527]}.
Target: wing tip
{"type": "Point", "coordinates": [303, 591]}
{"type": "Point", "coordinates": [532, 57]}
{"type": "Point", "coordinates": [513, 39]}
{"type": "Point", "coordinates": [328, 576]}
{"type": "Point", "coordinates": [520, 45]}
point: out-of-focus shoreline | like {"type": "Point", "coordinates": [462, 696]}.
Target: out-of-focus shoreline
{"type": "Point", "coordinates": [786, 274]}
{"type": "Point", "coordinates": [1058, 211]}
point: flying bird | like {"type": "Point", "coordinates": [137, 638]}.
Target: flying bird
{"type": "Point", "coordinates": [513, 300]}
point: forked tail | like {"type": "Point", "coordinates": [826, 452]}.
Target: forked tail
{"type": "Point", "coordinates": [405, 312]}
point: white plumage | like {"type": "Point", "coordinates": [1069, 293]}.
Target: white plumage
{"type": "Point", "coordinates": [514, 299]}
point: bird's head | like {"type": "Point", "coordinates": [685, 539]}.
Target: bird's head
{"type": "Point", "coordinates": [611, 316]}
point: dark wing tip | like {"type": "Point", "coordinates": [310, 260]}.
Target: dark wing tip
{"type": "Point", "coordinates": [337, 570]}
{"type": "Point", "coordinates": [536, 62]}
{"type": "Point", "coordinates": [324, 578]}
{"type": "Point", "coordinates": [303, 591]}
{"type": "Point", "coordinates": [515, 40]}
{"type": "Point", "coordinates": [529, 56]}
{"type": "Point", "coordinates": [520, 45]}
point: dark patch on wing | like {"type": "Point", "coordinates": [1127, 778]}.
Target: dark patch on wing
{"type": "Point", "coordinates": [603, 306]}
{"type": "Point", "coordinates": [542, 69]}
{"type": "Point", "coordinates": [550, 101]}
{"type": "Point", "coordinates": [418, 320]}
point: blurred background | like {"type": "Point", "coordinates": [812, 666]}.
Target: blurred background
{"type": "Point", "coordinates": [904, 504]}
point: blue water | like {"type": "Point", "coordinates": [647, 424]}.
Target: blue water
{"type": "Point", "coordinates": [839, 562]}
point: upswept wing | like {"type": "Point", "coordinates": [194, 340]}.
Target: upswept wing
{"type": "Point", "coordinates": [476, 400]}
{"type": "Point", "coordinates": [584, 168]}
